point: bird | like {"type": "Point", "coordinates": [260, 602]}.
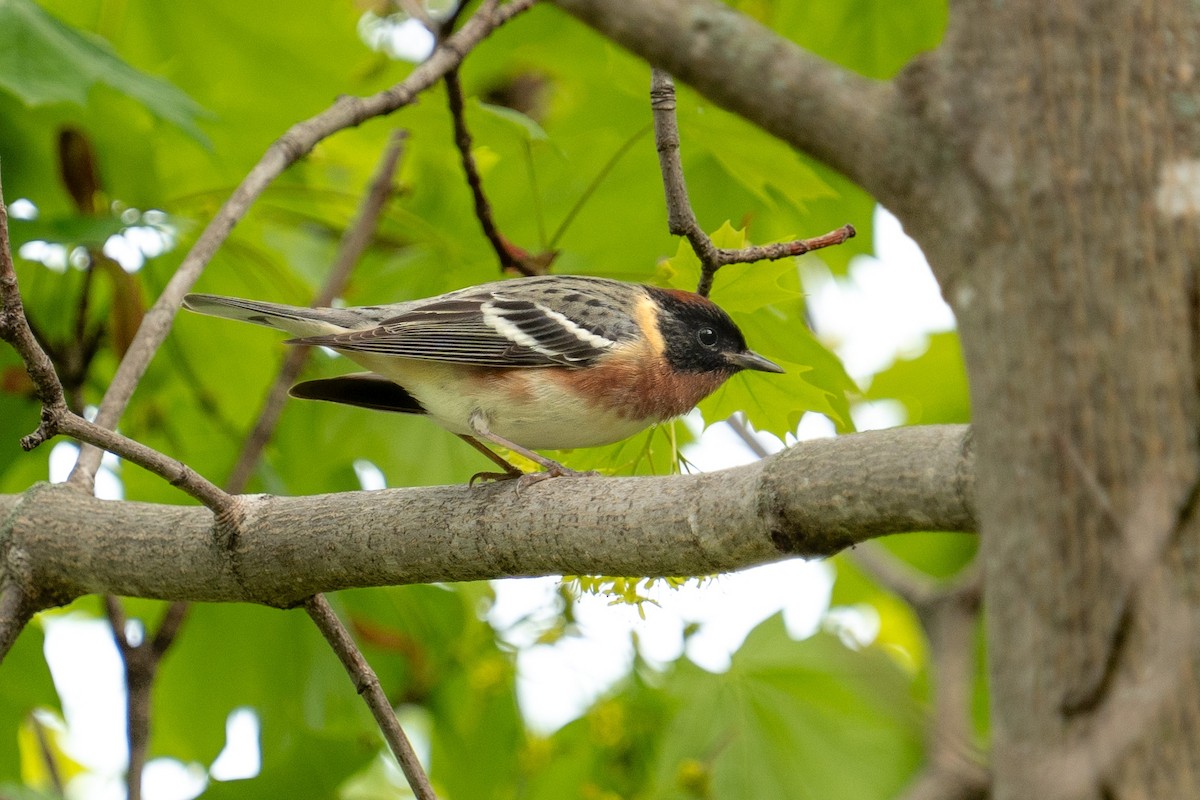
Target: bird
{"type": "Point", "coordinates": [544, 362]}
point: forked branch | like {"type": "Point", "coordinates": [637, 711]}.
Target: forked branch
{"type": "Point", "coordinates": [681, 219]}
{"type": "Point", "coordinates": [56, 417]}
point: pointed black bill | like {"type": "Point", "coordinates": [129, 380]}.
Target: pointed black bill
{"type": "Point", "coordinates": [748, 359]}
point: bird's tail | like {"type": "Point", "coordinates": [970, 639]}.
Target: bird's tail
{"type": "Point", "coordinates": [296, 320]}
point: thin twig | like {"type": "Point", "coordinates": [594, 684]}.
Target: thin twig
{"type": "Point", "coordinates": [172, 470]}
{"type": "Point", "coordinates": [447, 25]}
{"type": "Point", "coordinates": [367, 684]}
{"type": "Point", "coordinates": [137, 696]}
{"type": "Point", "coordinates": [354, 242]}
{"type": "Point", "coordinates": [737, 423]}
{"type": "Point", "coordinates": [483, 209]}
{"type": "Point", "coordinates": [14, 327]}
{"type": "Point", "coordinates": [911, 585]}
{"type": "Point", "coordinates": [681, 219]}
{"type": "Point", "coordinates": [169, 627]}
{"type": "Point", "coordinates": [299, 140]}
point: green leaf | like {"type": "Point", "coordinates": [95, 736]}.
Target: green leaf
{"type": "Point", "coordinates": [609, 752]}
{"type": "Point", "coordinates": [525, 125]}
{"type": "Point", "coordinates": [771, 170]}
{"type": "Point", "coordinates": [782, 721]}
{"type": "Point", "coordinates": [44, 61]}
{"type": "Point", "coordinates": [307, 764]}
{"type": "Point", "coordinates": [931, 386]}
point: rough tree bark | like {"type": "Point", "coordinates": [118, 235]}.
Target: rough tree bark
{"type": "Point", "coordinates": [814, 499]}
{"type": "Point", "coordinates": [1044, 158]}
{"type": "Point", "coordinates": [1073, 278]}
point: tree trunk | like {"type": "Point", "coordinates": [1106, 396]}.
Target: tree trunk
{"type": "Point", "coordinates": [1063, 232]}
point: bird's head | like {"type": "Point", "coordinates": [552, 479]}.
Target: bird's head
{"type": "Point", "coordinates": [698, 336]}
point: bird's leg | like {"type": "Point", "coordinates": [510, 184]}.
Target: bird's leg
{"type": "Point", "coordinates": [510, 471]}
{"type": "Point", "coordinates": [553, 469]}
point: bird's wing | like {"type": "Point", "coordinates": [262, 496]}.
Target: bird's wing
{"type": "Point", "coordinates": [492, 329]}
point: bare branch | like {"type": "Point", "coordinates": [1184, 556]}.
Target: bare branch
{"type": "Point", "coordinates": [353, 244]}
{"type": "Point", "coordinates": [965, 781]}
{"type": "Point", "coordinates": [295, 143]}
{"type": "Point", "coordinates": [483, 209]}
{"type": "Point", "coordinates": [911, 585]}
{"type": "Point", "coordinates": [737, 424]}
{"type": "Point", "coordinates": [173, 471]}
{"type": "Point", "coordinates": [681, 220]}
{"type": "Point", "coordinates": [168, 628]}
{"type": "Point", "coordinates": [852, 123]}
{"type": "Point", "coordinates": [367, 684]}
{"type": "Point", "coordinates": [117, 622]}
{"type": "Point", "coordinates": [815, 498]}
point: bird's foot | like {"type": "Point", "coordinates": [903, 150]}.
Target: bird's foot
{"type": "Point", "coordinates": [553, 470]}
{"type": "Point", "coordinates": [489, 477]}
{"type": "Point", "coordinates": [526, 479]}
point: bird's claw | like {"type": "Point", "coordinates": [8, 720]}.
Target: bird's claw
{"type": "Point", "coordinates": [526, 479]}
{"type": "Point", "coordinates": [555, 471]}
{"type": "Point", "coordinates": [488, 477]}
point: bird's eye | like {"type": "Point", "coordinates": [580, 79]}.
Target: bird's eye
{"type": "Point", "coordinates": [707, 337]}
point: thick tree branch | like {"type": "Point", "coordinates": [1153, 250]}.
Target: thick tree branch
{"type": "Point", "coordinates": [852, 123]}
{"type": "Point", "coordinates": [346, 112]}
{"type": "Point", "coordinates": [811, 500]}
{"type": "Point", "coordinates": [681, 219]}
